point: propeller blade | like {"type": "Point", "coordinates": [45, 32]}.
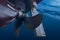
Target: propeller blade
{"type": "Point", "coordinates": [33, 22]}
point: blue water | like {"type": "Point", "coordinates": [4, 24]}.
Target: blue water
{"type": "Point", "coordinates": [51, 23]}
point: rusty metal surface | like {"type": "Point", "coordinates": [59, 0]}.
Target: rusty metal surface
{"type": "Point", "coordinates": [6, 15]}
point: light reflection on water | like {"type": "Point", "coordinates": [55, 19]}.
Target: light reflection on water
{"type": "Point", "coordinates": [49, 9]}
